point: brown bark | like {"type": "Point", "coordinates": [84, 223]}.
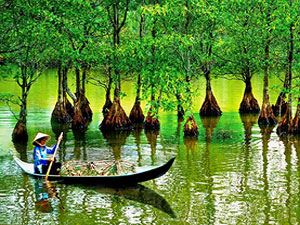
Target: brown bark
{"type": "Point", "coordinates": [20, 132]}
{"type": "Point", "coordinates": [180, 110]}
{"type": "Point", "coordinates": [151, 122]}
{"type": "Point", "coordinates": [116, 118]}
{"type": "Point", "coordinates": [285, 126]}
{"type": "Point", "coordinates": [279, 109]}
{"type": "Point", "coordinates": [60, 114]}
{"type": "Point", "coordinates": [190, 127]}
{"type": "Point", "coordinates": [136, 113]}
{"type": "Point", "coordinates": [210, 105]}
{"type": "Point", "coordinates": [266, 116]}
{"type": "Point", "coordinates": [108, 102]}
{"type": "Point", "coordinates": [82, 112]}
{"type": "Point", "coordinates": [249, 103]}
{"type": "Point", "coordinates": [296, 120]}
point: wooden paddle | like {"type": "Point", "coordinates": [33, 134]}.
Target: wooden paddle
{"type": "Point", "coordinates": [49, 168]}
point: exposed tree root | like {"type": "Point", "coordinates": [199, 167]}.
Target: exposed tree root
{"type": "Point", "coordinates": [60, 114]}
{"type": "Point", "coordinates": [210, 105]}
{"type": "Point", "coordinates": [280, 103]}
{"type": "Point", "coordinates": [296, 121]}
{"type": "Point", "coordinates": [20, 132]}
{"type": "Point", "coordinates": [249, 104]}
{"type": "Point", "coordinates": [190, 127]}
{"type": "Point", "coordinates": [267, 116]}
{"type": "Point", "coordinates": [151, 122]}
{"type": "Point", "coordinates": [116, 118]}
{"type": "Point", "coordinates": [136, 113]}
{"type": "Point", "coordinates": [285, 126]}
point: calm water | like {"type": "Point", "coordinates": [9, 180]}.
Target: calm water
{"type": "Point", "coordinates": [234, 173]}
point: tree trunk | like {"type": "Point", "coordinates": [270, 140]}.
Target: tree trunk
{"type": "Point", "coordinates": [296, 120]}
{"type": "Point", "coordinates": [210, 105]}
{"type": "Point", "coordinates": [266, 116]}
{"type": "Point", "coordinates": [82, 112]}
{"type": "Point", "coordinates": [180, 110]}
{"type": "Point", "coordinates": [20, 131]}
{"type": "Point", "coordinates": [108, 102]}
{"type": "Point", "coordinates": [151, 121]}
{"type": "Point", "coordinates": [279, 109]}
{"type": "Point", "coordinates": [249, 103]}
{"type": "Point", "coordinates": [60, 114]}
{"type": "Point", "coordinates": [116, 118]}
{"type": "Point", "coordinates": [190, 127]}
{"type": "Point", "coordinates": [136, 113]}
{"type": "Point", "coordinates": [285, 125]}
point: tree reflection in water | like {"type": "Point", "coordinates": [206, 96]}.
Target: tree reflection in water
{"type": "Point", "coordinates": [137, 133]}
{"type": "Point", "coordinates": [287, 142]}
{"type": "Point", "coordinates": [266, 132]}
{"type": "Point", "coordinates": [137, 193]}
{"type": "Point", "coordinates": [151, 136]}
{"type": "Point", "coordinates": [44, 192]}
{"type": "Point", "coordinates": [116, 139]}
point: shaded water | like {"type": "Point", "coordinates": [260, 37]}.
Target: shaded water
{"type": "Point", "coordinates": [234, 173]}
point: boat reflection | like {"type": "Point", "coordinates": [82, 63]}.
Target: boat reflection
{"type": "Point", "coordinates": [137, 193]}
{"type": "Point", "coordinates": [44, 192]}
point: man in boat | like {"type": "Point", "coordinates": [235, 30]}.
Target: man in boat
{"type": "Point", "coordinates": [41, 161]}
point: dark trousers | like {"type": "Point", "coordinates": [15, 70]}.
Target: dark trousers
{"type": "Point", "coordinates": [55, 169]}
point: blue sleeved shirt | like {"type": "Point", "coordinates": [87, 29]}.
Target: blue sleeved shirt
{"type": "Point", "coordinates": [40, 157]}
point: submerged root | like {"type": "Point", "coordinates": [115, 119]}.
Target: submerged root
{"type": "Point", "coordinates": [190, 127]}
{"type": "Point", "coordinates": [249, 104]}
{"type": "Point", "coordinates": [151, 122]}
{"type": "Point", "coordinates": [116, 118]}
{"type": "Point", "coordinates": [267, 116]}
{"type": "Point", "coordinates": [296, 122]}
{"type": "Point", "coordinates": [285, 126]}
{"type": "Point", "coordinates": [136, 113]}
{"type": "Point", "coordinates": [20, 132]}
{"type": "Point", "coordinates": [280, 105]}
{"type": "Point", "coordinates": [106, 107]}
{"type": "Point", "coordinates": [210, 106]}
{"type": "Point", "coordinates": [60, 114]}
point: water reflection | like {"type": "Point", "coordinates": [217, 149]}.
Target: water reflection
{"type": "Point", "coordinates": [266, 135]}
{"type": "Point", "coordinates": [190, 142]}
{"type": "Point", "coordinates": [287, 142]}
{"type": "Point", "coordinates": [151, 136]}
{"type": "Point", "coordinates": [137, 133]}
{"type": "Point", "coordinates": [137, 193]}
{"type": "Point", "coordinates": [21, 148]}
{"type": "Point", "coordinates": [116, 139]}
{"type": "Point", "coordinates": [43, 194]}
{"type": "Point", "coordinates": [209, 123]}
{"type": "Point", "coordinates": [248, 121]}
{"type": "Point", "coordinates": [296, 142]}
{"type": "Point", "coordinates": [80, 143]}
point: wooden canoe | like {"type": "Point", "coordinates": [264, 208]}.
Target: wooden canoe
{"type": "Point", "coordinates": [142, 174]}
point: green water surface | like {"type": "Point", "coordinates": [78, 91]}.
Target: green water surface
{"type": "Point", "coordinates": [234, 173]}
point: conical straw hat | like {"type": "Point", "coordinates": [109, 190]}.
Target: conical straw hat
{"type": "Point", "coordinates": [39, 136]}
